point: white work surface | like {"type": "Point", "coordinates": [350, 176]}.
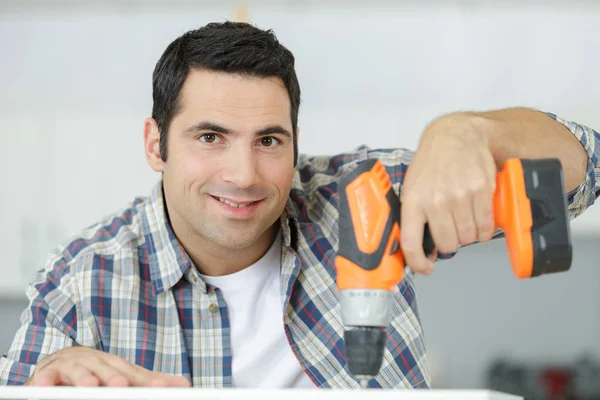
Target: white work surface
{"type": "Point", "coordinates": [68, 393]}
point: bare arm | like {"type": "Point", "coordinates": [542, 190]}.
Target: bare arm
{"type": "Point", "coordinates": [527, 133]}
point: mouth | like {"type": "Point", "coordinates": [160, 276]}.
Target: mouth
{"type": "Point", "coordinates": [236, 203]}
{"type": "Point", "coordinates": [237, 208]}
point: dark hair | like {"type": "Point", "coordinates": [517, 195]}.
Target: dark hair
{"type": "Point", "coordinates": [232, 47]}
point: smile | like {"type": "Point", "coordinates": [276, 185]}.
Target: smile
{"type": "Point", "coordinates": [231, 203]}
{"type": "Point", "coordinates": [238, 209]}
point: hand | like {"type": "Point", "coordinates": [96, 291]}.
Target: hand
{"type": "Point", "coordinates": [81, 366]}
{"type": "Point", "coordinates": [449, 184]}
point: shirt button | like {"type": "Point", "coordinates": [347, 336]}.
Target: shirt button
{"type": "Point", "coordinates": [213, 308]}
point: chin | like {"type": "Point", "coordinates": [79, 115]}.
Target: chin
{"type": "Point", "coordinates": [235, 242]}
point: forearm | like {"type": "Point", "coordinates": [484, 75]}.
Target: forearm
{"type": "Point", "coordinates": [527, 133]}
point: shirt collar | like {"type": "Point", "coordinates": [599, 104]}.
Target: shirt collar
{"type": "Point", "coordinates": [168, 261]}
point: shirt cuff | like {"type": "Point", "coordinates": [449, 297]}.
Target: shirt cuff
{"type": "Point", "coordinates": [588, 191]}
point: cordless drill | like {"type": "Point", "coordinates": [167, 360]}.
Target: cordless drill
{"type": "Point", "coordinates": [529, 206]}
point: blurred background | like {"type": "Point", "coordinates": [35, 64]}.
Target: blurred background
{"type": "Point", "coordinates": [75, 87]}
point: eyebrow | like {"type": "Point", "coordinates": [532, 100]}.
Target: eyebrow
{"type": "Point", "coordinates": [210, 126]}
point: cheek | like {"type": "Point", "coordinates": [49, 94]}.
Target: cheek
{"type": "Point", "coordinates": [279, 177]}
{"type": "Point", "coordinates": [190, 171]}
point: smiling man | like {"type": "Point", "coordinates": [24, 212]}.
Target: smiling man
{"type": "Point", "coordinates": [223, 275]}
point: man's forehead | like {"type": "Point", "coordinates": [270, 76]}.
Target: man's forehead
{"type": "Point", "coordinates": [233, 98]}
{"type": "Point", "coordinates": [234, 90]}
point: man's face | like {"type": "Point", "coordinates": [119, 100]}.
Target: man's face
{"type": "Point", "coordinates": [230, 158]}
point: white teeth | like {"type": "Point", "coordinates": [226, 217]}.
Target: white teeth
{"type": "Point", "coordinates": [224, 200]}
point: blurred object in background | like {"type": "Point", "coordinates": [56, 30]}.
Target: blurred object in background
{"type": "Point", "coordinates": [536, 381]}
{"type": "Point", "coordinates": [241, 12]}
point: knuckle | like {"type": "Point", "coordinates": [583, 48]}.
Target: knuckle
{"type": "Point", "coordinates": [437, 201]}
{"type": "Point", "coordinates": [460, 196]}
{"type": "Point", "coordinates": [94, 359]}
{"type": "Point", "coordinates": [479, 186]}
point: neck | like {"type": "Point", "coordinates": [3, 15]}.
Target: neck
{"type": "Point", "coordinates": [213, 260]}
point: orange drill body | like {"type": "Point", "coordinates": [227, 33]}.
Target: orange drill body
{"type": "Point", "coordinates": [375, 231]}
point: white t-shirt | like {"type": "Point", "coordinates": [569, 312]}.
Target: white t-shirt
{"type": "Point", "coordinates": [261, 355]}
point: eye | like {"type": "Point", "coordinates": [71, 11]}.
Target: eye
{"type": "Point", "coordinates": [269, 141]}
{"type": "Point", "coordinates": [208, 138]}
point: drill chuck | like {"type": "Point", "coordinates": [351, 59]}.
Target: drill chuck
{"type": "Point", "coordinates": [364, 349]}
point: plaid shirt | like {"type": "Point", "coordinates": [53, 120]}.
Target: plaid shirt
{"type": "Point", "coordinates": [126, 286]}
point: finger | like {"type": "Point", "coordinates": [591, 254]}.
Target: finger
{"type": "Point", "coordinates": [491, 171]}
{"type": "Point", "coordinates": [464, 221]}
{"type": "Point", "coordinates": [484, 215]}
{"type": "Point", "coordinates": [80, 375]}
{"type": "Point", "coordinates": [49, 377]}
{"type": "Point", "coordinates": [73, 375]}
{"type": "Point", "coordinates": [107, 374]}
{"type": "Point", "coordinates": [413, 226]}
{"type": "Point", "coordinates": [443, 231]}
{"type": "Point", "coordinates": [141, 377]}
{"type": "Point", "coordinates": [134, 374]}
{"type": "Point", "coordinates": [433, 256]}
{"type": "Point", "coordinates": [483, 203]}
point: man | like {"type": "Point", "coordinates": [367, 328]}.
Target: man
{"type": "Point", "coordinates": [224, 275]}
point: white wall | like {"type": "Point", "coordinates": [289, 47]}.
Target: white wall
{"type": "Point", "coordinates": [475, 311]}
{"type": "Point", "coordinates": [75, 86]}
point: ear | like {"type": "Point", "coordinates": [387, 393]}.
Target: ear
{"type": "Point", "coordinates": [152, 145]}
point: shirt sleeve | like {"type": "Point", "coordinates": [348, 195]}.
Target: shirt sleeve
{"type": "Point", "coordinates": [588, 191]}
{"type": "Point", "coordinates": [48, 324]}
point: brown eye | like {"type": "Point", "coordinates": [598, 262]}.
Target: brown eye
{"type": "Point", "coordinates": [267, 141]}
{"type": "Point", "coordinates": [208, 137]}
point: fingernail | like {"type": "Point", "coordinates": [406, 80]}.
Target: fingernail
{"type": "Point", "coordinates": [433, 256]}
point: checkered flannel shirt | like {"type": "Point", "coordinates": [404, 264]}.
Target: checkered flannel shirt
{"type": "Point", "coordinates": [126, 286]}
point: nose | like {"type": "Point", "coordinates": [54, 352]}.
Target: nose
{"type": "Point", "coordinates": [240, 168]}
